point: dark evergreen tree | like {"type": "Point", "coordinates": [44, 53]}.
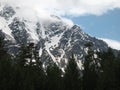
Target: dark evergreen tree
{"type": "Point", "coordinates": [5, 68]}
{"type": "Point", "coordinates": [54, 77]}
{"type": "Point", "coordinates": [107, 76]}
{"type": "Point", "coordinates": [118, 68]}
{"type": "Point", "coordinates": [90, 69]}
{"type": "Point", "coordinates": [30, 74]}
{"type": "Point", "coordinates": [38, 71]}
{"type": "Point", "coordinates": [21, 58]}
{"type": "Point", "coordinates": [72, 79]}
{"type": "Point", "coordinates": [117, 64]}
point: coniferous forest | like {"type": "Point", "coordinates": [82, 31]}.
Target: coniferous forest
{"type": "Point", "coordinates": [21, 73]}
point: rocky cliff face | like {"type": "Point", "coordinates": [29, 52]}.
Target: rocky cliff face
{"type": "Point", "coordinates": [54, 37]}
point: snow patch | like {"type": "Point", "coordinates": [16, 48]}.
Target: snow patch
{"type": "Point", "coordinates": [40, 52]}
{"type": "Point", "coordinates": [53, 41]}
{"type": "Point", "coordinates": [53, 58]}
{"type": "Point", "coordinates": [62, 55]}
{"type": "Point", "coordinates": [79, 64]}
{"type": "Point", "coordinates": [52, 44]}
{"type": "Point", "coordinates": [4, 27]}
{"type": "Point", "coordinates": [31, 29]}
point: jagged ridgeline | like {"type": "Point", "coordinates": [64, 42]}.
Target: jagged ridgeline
{"type": "Point", "coordinates": [56, 38]}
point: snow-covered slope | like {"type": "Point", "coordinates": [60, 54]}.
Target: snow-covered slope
{"type": "Point", "coordinates": [56, 38]}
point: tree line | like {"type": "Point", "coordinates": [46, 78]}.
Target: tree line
{"type": "Point", "coordinates": [101, 71]}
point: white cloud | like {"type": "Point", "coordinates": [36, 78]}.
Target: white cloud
{"type": "Point", "coordinates": [69, 7]}
{"type": "Point", "coordinates": [112, 43]}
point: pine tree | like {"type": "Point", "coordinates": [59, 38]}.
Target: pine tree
{"type": "Point", "coordinates": [54, 77]}
{"type": "Point", "coordinates": [107, 76]}
{"type": "Point", "coordinates": [90, 69]}
{"type": "Point", "coordinates": [72, 80]}
{"type": "Point", "coordinates": [31, 75]}
{"type": "Point", "coordinates": [38, 72]}
{"type": "Point", "coordinates": [5, 67]}
{"type": "Point", "coordinates": [117, 64]}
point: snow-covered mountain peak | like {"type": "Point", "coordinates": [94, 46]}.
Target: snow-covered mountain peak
{"type": "Point", "coordinates": [56, 37]}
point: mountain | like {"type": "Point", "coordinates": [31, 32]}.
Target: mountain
{"type": "Point", "coordinates": [56, 38]}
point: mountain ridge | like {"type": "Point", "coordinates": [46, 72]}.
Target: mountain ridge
{"type": "Point", "coordinates": [56, 38]}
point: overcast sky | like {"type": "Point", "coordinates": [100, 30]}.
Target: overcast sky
{"type": "Point", "coordinates": [99, 18]}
